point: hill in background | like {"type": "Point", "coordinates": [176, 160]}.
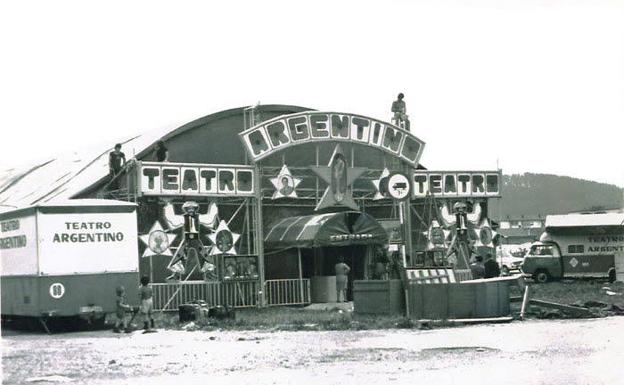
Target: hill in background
{"type": "Point", "coordinates": [541, 194]}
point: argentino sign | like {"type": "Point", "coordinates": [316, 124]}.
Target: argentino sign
{"type": "Point", "coordinates": [311, 126]}
{"type": "Point", "coordinates": [193, 179]}
{"type": "Point", "coordinates": [456, 184]}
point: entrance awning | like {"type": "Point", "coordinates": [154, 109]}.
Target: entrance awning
{"type": "Point", "coordinates": [333, 229]}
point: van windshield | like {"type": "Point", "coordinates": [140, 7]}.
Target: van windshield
{"type": "Point", "coordinates": [542, 250]}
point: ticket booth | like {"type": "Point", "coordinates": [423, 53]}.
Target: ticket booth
{"type": "Point", "coordinates": [323, 240]}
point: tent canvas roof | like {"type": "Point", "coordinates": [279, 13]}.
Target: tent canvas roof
{"type": "Point", "coordinates": [66, 176]}
{"type": "Point", "coordinates": [332, 229]}
{"type": "Point", "coordinates": [62, 177]}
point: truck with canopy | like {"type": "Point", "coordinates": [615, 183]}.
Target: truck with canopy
{"type": "Point", "coordinates": [575, 246]}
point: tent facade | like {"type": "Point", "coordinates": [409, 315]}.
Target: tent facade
{"type": "Point", "coordinates": [326, 230]}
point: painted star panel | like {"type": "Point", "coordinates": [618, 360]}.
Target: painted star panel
{"type": "Point", "coordinates": [339, 178]}
{"type": "Point", "coordinates": [224, 240]}
{"type": "Point", "coordinates": [285, 184]}
{"type": "Point", "coordinates": [170, 237]}
{"type": "Point", "coordinates": [379, 194]}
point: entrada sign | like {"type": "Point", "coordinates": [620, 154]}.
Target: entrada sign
{"type": "Point", "coordinates": [194, 179]}
{"type": "Point", "coordinates": [349, 237]}
{"type": "Point", "coordinates": [455, 184]}
{"type": "Point", "coordinates": [305, 127]}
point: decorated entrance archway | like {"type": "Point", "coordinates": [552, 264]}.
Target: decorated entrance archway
{"type": "Point", "coordinates": [294, 165]}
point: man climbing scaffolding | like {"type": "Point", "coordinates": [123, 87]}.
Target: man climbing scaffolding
{"type": "Point", "coordinates": [116, 163]}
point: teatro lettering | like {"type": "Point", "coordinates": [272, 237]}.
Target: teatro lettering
{"type": "Point", "coordinates": [605, 249]}
{"type": "Point", "coordinates": [305, 127]}
{"type": "Point", "coordinates": [87, 225]}
{"type": "Point", "coordinates": [606, 239]}
{"type": "Point", "coordinates": [88, 237]}
{"type": "Point", "coordinates": [10, 225]}
{"type": "Point", "coordinates": [452, 184]}
{"type": "Point", "coordinates": [14, 242]}
{"type": "Point", "coordinates": [195, 179]}
{"type": "Point", "coordinates": [610, 243]}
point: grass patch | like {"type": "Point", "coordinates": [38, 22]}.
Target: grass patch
{"type": "Point", "coordinates": [588, 293]}
{"type": "Point", "coordinates": [602, 298]}
{"type": "Point", "coordinates": [579, 292]}
{"type": "Point", "coordinates": [291, 319]}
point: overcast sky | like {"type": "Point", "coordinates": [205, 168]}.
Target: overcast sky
{"type": "Point", "coordinates": [536, 85]}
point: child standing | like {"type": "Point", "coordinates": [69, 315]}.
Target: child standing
{"type": "Point", "coordinates": [147, 303]}
{"type": "Point", "coordinates": [122, 309]}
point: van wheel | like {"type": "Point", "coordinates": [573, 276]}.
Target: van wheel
{"type": "Point", "coordinates": [504, 270]}
{"type": "Point", "coordinates": [612, 276]}
{"type": "Point", "coordinates": [541, 276]}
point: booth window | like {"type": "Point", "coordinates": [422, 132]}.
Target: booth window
{"type": "Point", "coordinates": [576, 249]}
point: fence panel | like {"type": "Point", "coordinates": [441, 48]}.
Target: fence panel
{"type": "Point", "coordinates": [169, 296]}
{"type": "Point", "coordinates": [237, 294]}
{"type": "Point", "coordinates": [287, 292]}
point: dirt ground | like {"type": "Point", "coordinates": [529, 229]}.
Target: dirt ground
{"type": "Point", "coordinates": [532, 352]}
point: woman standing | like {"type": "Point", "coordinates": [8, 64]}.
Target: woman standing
{"type": "Point", "coordinates": [342, 280]}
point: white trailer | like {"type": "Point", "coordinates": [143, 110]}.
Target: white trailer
{"type": "Point", "coordinates": [66, 259]}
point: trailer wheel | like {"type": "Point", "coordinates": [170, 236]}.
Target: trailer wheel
{"type": "Point", "coordinates": [541, 276]}
{"type": "Point", "coordinates": [504, 270]}
{"type": "Point", "coordinates": [612, 276]}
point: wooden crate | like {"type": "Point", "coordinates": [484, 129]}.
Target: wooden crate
{"type": "Point", "coordinates": [469, 299]}
{"type": "Point", "coordinates": [378, 297]}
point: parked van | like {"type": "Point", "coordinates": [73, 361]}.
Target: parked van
{"type": "Point", "coordinates": [576, 245]}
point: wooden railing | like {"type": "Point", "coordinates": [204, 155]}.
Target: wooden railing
{"type": "Point", "coordinates": [238, 294]}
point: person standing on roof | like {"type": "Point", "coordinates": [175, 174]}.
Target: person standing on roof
{"type": "Point", "coordinates": [400, 112]}
{"type": "Point", "coordinates": [162, 153]}
{"type": "Point", "coordinates": [116, 163]}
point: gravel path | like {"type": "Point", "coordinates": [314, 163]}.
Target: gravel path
{"type": "Point", "coordinates": [533, 352]}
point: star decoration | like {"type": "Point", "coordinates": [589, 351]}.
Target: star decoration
{"type": "Point", "coordinates": [339, 177]}
{"type": "Point", "coordinates": [223, 240]}
{"type": "Point", "coordinates": [485, 234]}
{"type": "Point", "coordinates": [285, 184]}
{"type": "Point", "coordinates": [157, 241]}
{"type": "Point", "coordinates": [381, 185]}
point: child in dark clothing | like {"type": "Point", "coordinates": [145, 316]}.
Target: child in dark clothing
{"type": "Point", "coordinates": [147, 303]}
